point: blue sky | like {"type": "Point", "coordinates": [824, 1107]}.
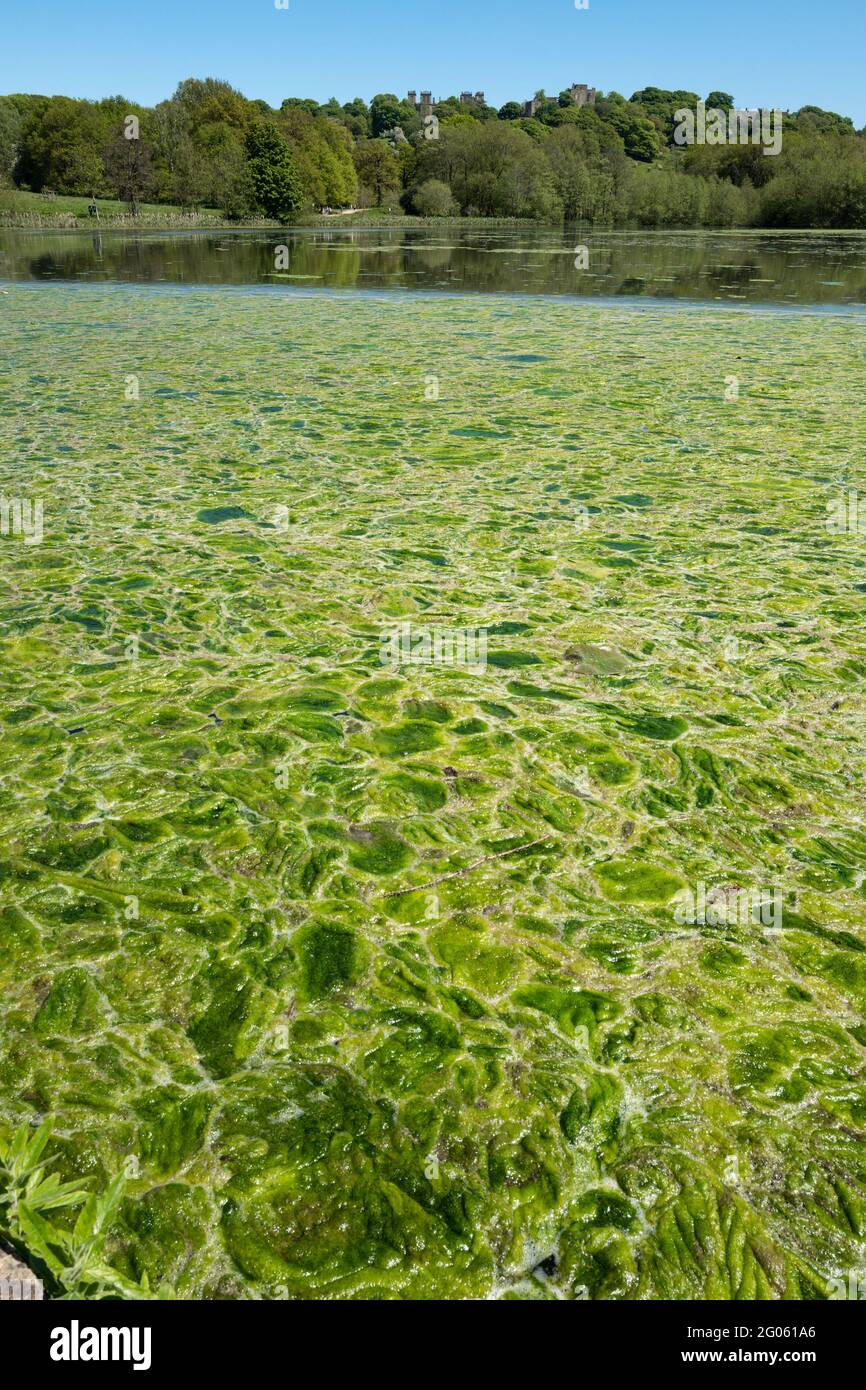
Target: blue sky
{"type": "Point", "coordinates": [765, 52]}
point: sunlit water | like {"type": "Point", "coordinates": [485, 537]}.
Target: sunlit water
{"type": "Point", "coordinates": [385, 972]}
{"type": "Point", "coordinates": [782, 268]}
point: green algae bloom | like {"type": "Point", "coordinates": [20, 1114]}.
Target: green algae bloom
{"type": "Point", "coordinates": [374, 980]}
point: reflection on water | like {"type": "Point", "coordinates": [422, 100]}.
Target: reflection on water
{"type": "Point", "coordinates": [765, 267]}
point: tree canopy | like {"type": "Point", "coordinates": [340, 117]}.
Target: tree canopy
{"type": "Point", "coordinates": [614, 161]}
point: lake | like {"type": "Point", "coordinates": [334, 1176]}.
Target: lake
{"type": "Point", "coordinates": [782, 268]}
{"type": "Point", "coordinates": [431, 853]}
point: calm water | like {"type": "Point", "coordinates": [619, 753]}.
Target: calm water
{"type": "Point", "coordinates": [794, 268]}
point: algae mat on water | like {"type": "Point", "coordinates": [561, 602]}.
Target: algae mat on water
{"type": "Point", "coordinates": [538, 1073]}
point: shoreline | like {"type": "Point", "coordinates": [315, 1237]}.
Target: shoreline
{"type": "Point", "coordinates": [69, 223]}
{"type": "Point", "coordinates": [65, 222]}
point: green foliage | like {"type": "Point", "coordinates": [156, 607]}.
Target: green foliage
{"type": "Point", "coordinates": [61, 147]}
{"type": "Point", "coordinates": [72, 1260]}
{"type": "Point", "coordinates": [451, 106]}
{"type": "Point", "coordinates": [129, 170]}
{"type": "Point", "coordinates": [819, 182]}
{"type": "Point", "coordinates": [812, 118]}
{"type": "Point", "coordinates": [276, 189]}
{"type": "Point", "coordinates": [639, 134]}
{"type": "Point", "coordinates": [378, 170]}
{"type": "Point", "coordinates": [434, 199]}
{"type": "Point", "coordinates": [308, 104]}
{"type": "Point", "coordinates": [194, 151]}
{"type": "Point", "coordinates": [534, 129]}
{"type": "Point", "coordinates": [493, 170]}
{"type": "Point", "coordinates": [321, 149]}
{"type": "Point", "coordinates": [387, 111]}
{"type": "Point", "coordinates": [586, 173]}
{"type": "Point", "coordinates": [659, 106]}
{"type": "Point", "coordinates": [209, 103]}
{"type": "Point", "coordinates": [356, 118]}
{"type": "Point", "coordinates": [456, 119]}
{"type": "Point", "coordinates": [11, 121]}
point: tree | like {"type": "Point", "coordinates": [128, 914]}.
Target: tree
{"type": "Point", "coordinates": [566, 115]}
{"type": "Point", "coordinates": [356, 117]}
{"type": "Point", "coordinates": [590, 168]}
{"type": "Point", "coordinates": [535, 129]}
{"type": "Point", "coordinates": [210, 102]}
{"type": "Point", "coordinates": [378, 169]}
{"type": "Point", "coordinates": [321, 149]}
{"type": "Point", "coordinates": [11, 122]}
{"type": "Point", "coordinates": [814, 118]}
{"type": "Point", "coordinates": [200, 145]}
{"type": "Point", "coordinates": [659, 106]}
{"type": "Point", "coordinates": [274, 181]}
{"type": "Point", "coordinates": [567, 155]}
{"type": "Point", "coordinates": [301, 104]}
{"type": "Point", "coordinates": [493, 169]}
{"type": "Point", "coordinates": [191, 177]}
{"type": "Point", "coordinates": [169, 135]}
{"type": "Point", "coordinates": [209, 145]}
{"type": "Point", "coordinates": [453, 106]}
{"type": "Point", "coordinates": [456, 119]}
{"type": "Point", "coordinates": [642, 138]}
{"type": "Point", "coordinates": [61, 147]}
{"type": "Point", "coordinates": [434, 199]}
{"type": "Point", "coordinates": [387, 111]}
{"type": "Point", "coordinates": [129, 169]}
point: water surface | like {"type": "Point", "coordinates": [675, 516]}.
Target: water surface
{"type": "Point", "coordinates": [784, 268]}
{"type": "Point", "coordinates": [377, 968]}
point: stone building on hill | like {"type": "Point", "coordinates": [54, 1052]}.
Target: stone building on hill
{"type": "Point", "coordinates": [426, 105]}
{"type": "Point", "coordinates": [583, 96]}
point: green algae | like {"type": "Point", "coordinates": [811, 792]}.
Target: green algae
{"type": "Point", "coordinates": [374, 973]}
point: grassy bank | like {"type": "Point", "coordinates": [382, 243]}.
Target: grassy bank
{"type": "Point", "coordinates": [35, 211]}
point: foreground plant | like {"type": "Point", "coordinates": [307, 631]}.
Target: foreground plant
{"type": "Point", "coordinates": [73, 1259]}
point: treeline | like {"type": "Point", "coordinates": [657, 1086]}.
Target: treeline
{"type": "Point", "coordinates": [615, 162]}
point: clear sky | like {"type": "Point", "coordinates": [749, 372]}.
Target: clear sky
{"type": "Point", "coordinates": [765, 52]}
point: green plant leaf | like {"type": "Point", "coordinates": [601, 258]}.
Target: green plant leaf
{"type": "Point", "coordinates": [42, 1240]}
{"type": "Point", "coordinates": [51, 1194]}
